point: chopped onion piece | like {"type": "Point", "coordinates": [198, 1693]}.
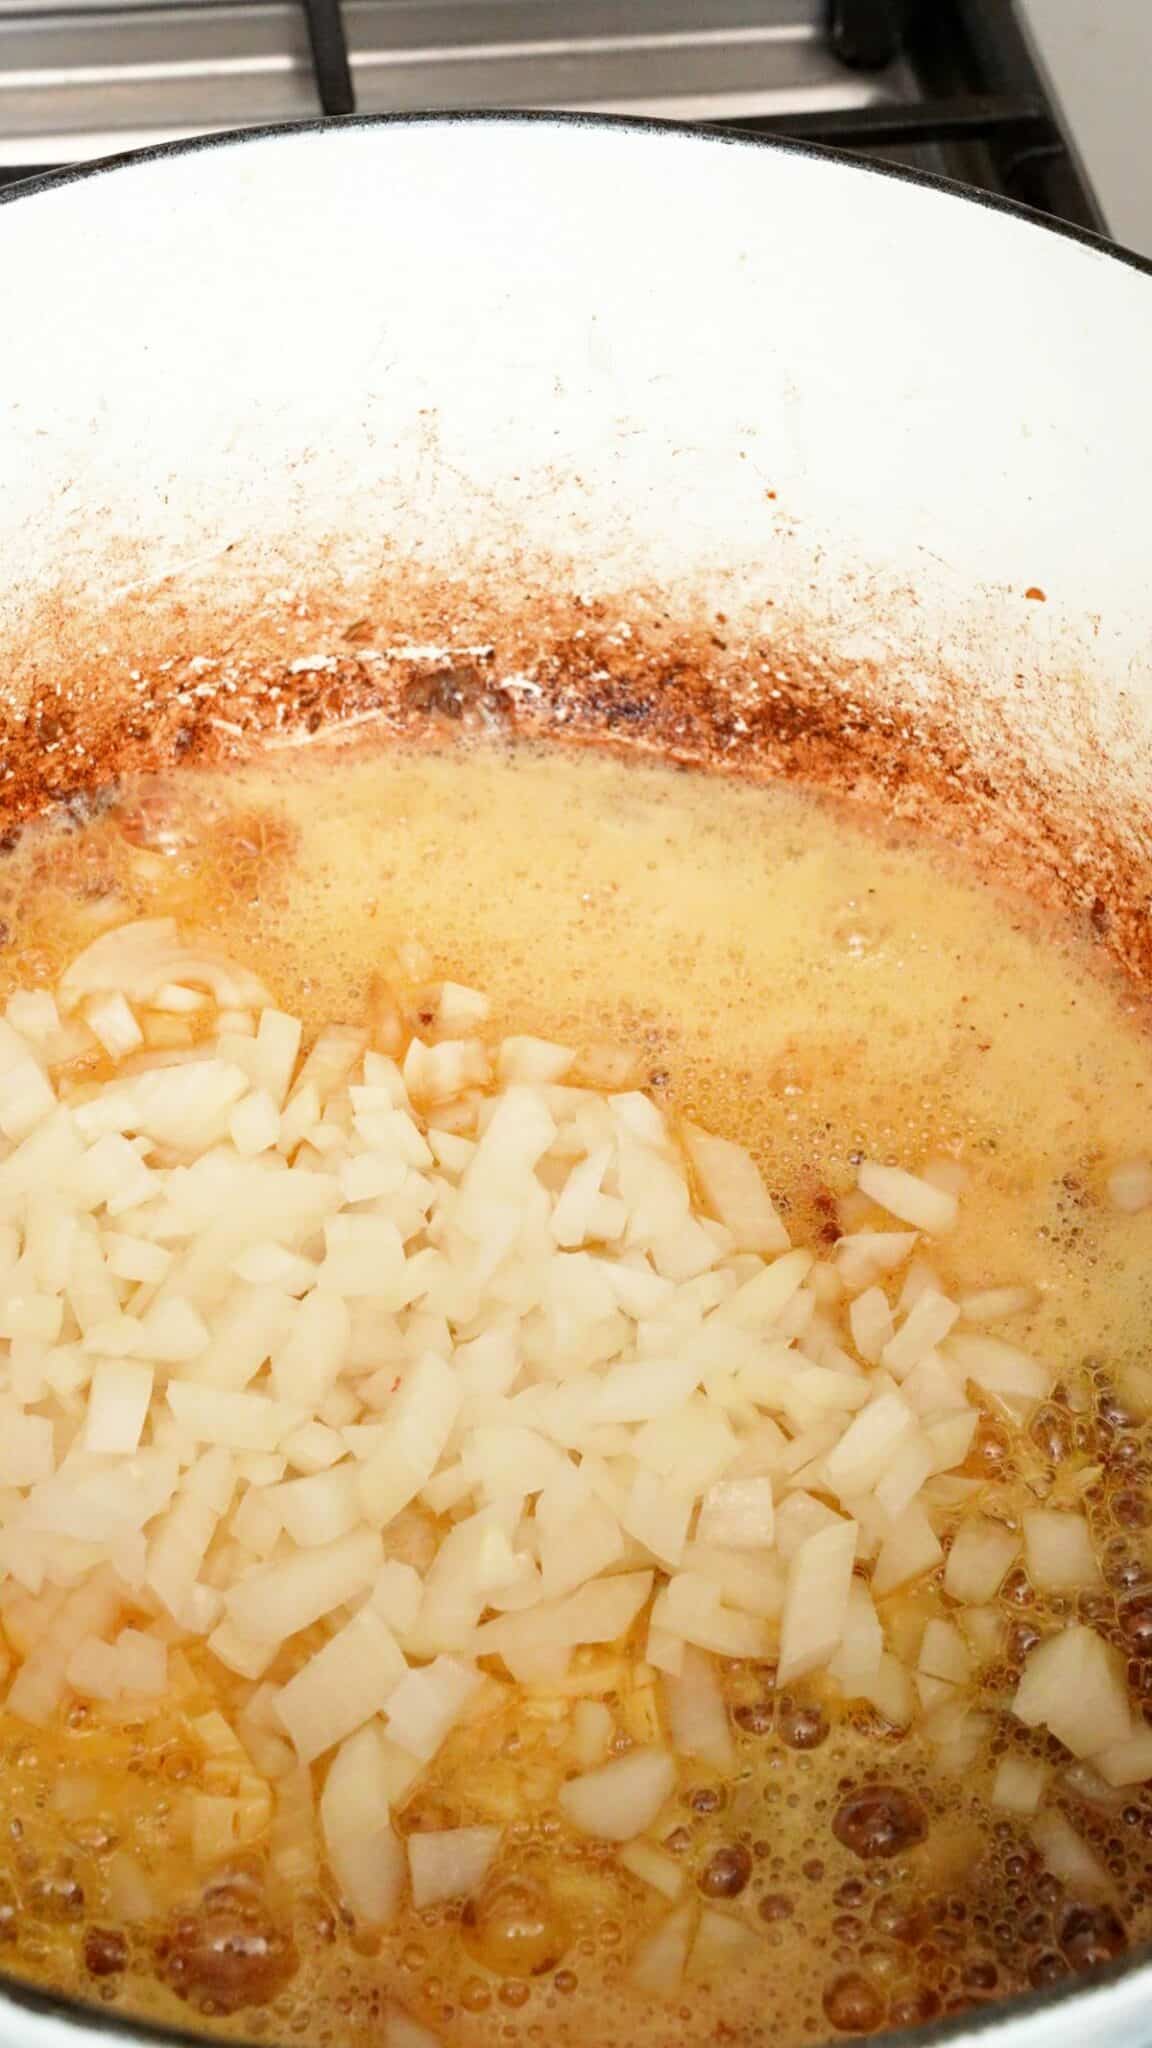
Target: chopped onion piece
{"type": "Point", "coordinates": [944, 1654]}
{"type": "Point", "coordinates": [119, 1395]}
{"type": "Point", "coordinates": [1128, 1762]}
{"type": "Point", "coordinates": [862, 1255]}
{"type": "Point", "coordinates": [110, 1019]}
{"type": "Point", "coordinates": [26, 1094]}
{"type": "Point", "coordinates": [657, 1518]}
{"type": "Point", "coordinates": [1073, 1685]}
{"type": "Point", "coordinates": [131, 1896]}
{"type": "Point", "coordinates": [869, 1444]}
{"type": "Point", "coordinates": [417, 1426]}
{"type": "Point", "coordinates": [910, 1549]}
{"type": "Point", "coordinates": [254, 1125]}
{"type": "Point", "coordinates": [1066, 1854]}
{"type": "Point", "coordinates": [593, 1729]}
{"type": "Point", "coordinates": [816, 1600]}
{"type": "Point", "coordinates": [907, 1197]}
{"type": "Point", "coordinates": [1059, 1552]}
{"type": "Point", "coordinates": [735, 1192]}
{"type": "Point", "coordinates": [982, 1553]}
{"type": "Point", "coordinates": [320, 1508]}
{"type": "Point", "coordinates": [1020, 1783]}
{"type": "Point", "coordinates": [721, 1941]}
{"type": "Point", "coordinates": [451, 1864]}
{"type": "Point", "coordinates": [600, 1612]}
{"type": "Point", "coordinates": [658, 1965]}
{"type": "Point", "coordinates": [342, 1686]}
{"type": "Point", "coordinates": [738, 1513]}
{"type": "Point", "coordinates": [926, 1324]}
{"type": "Point", "coordinates": [461, 1009]}
{"type": "Point", "coordinates": [870, 1321]}
{"type": "Point", "coordinates": [996, 1304]}
{"type": "Point", "coordinates": [367, 1858]}
{"type": "Point", "coordinates": [690, 1607]}
{"type": "Point", "coordinates": [906, 1474]}
{"type": "Point", "coordinates": [890, 1691]}
{"type": "Point", "coordinates": [949, 1439]}
{"type": "Point", "coordinates": [279, 1599]}
{"type": "Point", "coordinates": [653, 1867]}
{"type": "Point", "coordinates": [237, 1422]}
{"type": "Point", "coordinates": [999, 1368]}
{"type": "Point", "coordinates": [27, 1449]}
{"type": "Point", "coordinates": [752, 1581]}
{"type": "Point", "coordinates": [428, 1702]}
{"type": "Point", "coordinates": [533, 1060]}
{"type": "Point", "coordinates": [697, 1715]}
{"type": "Point", "coordinates": [856, 1662]}
{"type": "Point", "coordinates": [621, 1799]}
{"type": "Point", "coordinates": [397, 1594]}
{"type": "Point", "coordinates": [756, 1305]}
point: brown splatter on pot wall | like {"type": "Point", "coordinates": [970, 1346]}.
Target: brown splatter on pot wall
{"type": "Point", "coordinates": [157, 678]}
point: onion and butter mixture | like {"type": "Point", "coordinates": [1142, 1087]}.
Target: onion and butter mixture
{"type": "Point", "coordinates": [482, 1549]}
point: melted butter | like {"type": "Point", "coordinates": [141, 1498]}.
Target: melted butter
{"type": "Point", "coordinates": [795, 977]}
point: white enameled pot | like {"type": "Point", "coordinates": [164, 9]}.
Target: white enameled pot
{"type": "Point", "coordinates": [850, 412]}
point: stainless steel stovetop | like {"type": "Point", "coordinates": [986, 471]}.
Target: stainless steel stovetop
{"type": "Point", "coordinates": [948, 85]}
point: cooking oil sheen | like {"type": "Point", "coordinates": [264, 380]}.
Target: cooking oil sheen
{"type": "Point", "coordinates": [821, 988]}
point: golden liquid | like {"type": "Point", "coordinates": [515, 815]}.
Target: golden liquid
{"type": "Point", "coordinates": [796, 978]}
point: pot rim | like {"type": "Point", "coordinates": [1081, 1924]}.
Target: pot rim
{"type": "Point", "coordinates": [1110, 2005]}
{"type": "Point", "coordinates": [730, 138]}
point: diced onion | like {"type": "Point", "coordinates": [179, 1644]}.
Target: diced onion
{"type": "Point", "coordinates": [982, 1553]}
{"type": "Point", "coordinates": [653, 1867]}
{"type": "Point", "coordinates": [816, 1600]}
{"type": "Point", "coordinates": [451, 1864]}
{"type": "Point", "coordinates": [905, 1196]}
{"type": "Point", "coordinates": [366, 1856]}
{"type": "Point", "coordinates": [658, 1965]}
{"type": "Point", "coordinates": [393, 1379]}
{"type": "Point", "coordinates": [119, 1396]}
{"type": "Point", "coordinates": [697, 1715]}
{"type": "Point", "coordinates": [998, 1367]}
{"type": "Point", "coordinates": [428, 1702]}
{"type": "Point", "coordinates": [1019, 1784]}
{"type": "Point", "coordinates": [281, 1598]}
{"type": "Point", "coordinates": [1059, 1552]}
{"type": "Point", "coordinates": [1066, 1854]}
{"type": "Point", "coordinates": [721, 1942]}
{"type": "Point", "coordinates": [1128, 1762]}
{"type": "Point", "coordinates": [592, 1731]}
{"type": "Point", "coordinates": [739, 1513]}
{"type": "Point", "coordinates": [910, 1549]}
{"type": "Point", "coordinates": [621, 1799]}
{"type": "Point", "coordinates": [1073, 1684]}
{"type": "Point", "coordinates": [735, 1192]}
{"type": "Point", "coordinates": [342, 1686]}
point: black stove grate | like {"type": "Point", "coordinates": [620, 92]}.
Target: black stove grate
{"type": "Point", "coordinates": [985, 116]}
{"type": "Point", "coordinates": [982, 115]}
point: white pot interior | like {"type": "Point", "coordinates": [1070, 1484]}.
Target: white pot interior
{"type": "Point", "coordinates": [610, 345]}
{"type": "Point", "coordinates": [502, 358]}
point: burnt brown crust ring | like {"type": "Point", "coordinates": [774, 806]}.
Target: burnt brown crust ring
{"type": "Point", "coordinates": [160, 677]}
